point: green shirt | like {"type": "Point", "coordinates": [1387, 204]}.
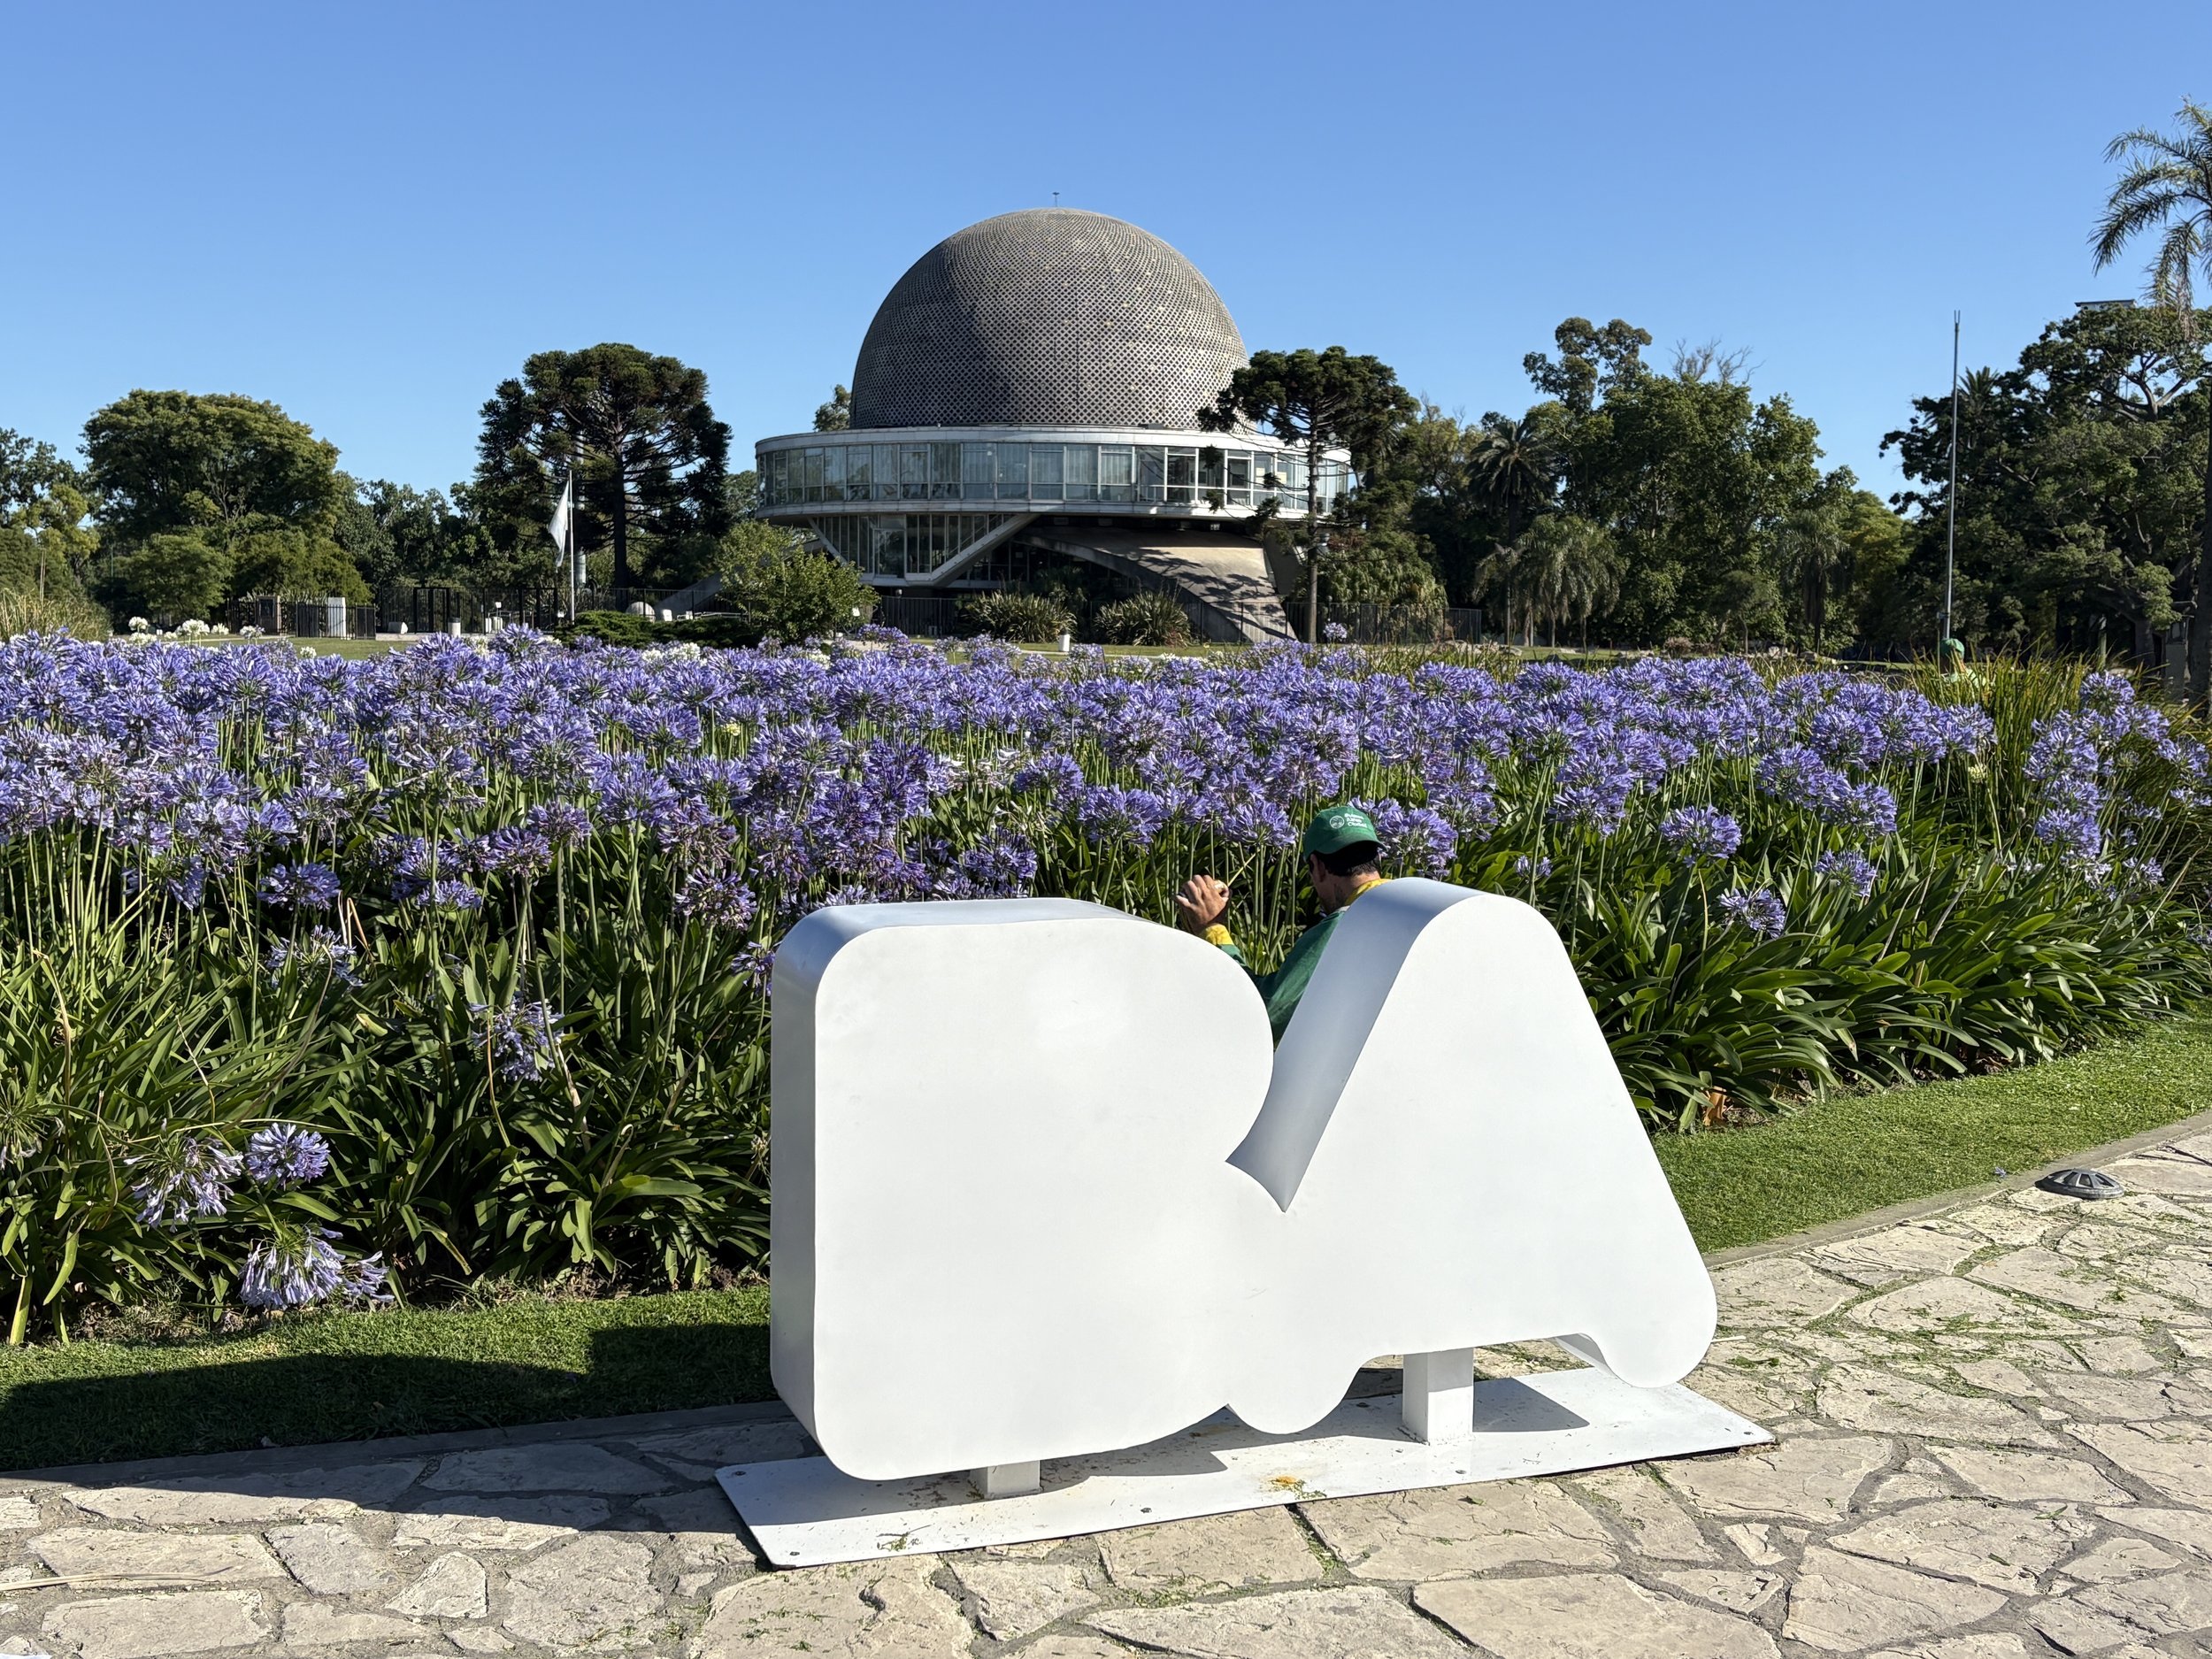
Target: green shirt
{"type": "Point", "coordinates": [1282, 989]}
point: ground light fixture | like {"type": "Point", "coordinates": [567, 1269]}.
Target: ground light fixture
{"type": "Point", "coordinates": [2086, 1184]}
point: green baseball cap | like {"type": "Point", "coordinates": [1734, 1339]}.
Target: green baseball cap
{"type": "Point", "coordinates": [1338, 828]}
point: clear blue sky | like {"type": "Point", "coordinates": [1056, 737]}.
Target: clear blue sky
{"type": "Point", "coordinates": [370, 214]}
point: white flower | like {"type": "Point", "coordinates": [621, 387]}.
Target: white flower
{"type": "Point", "coordinates": [139, 625]}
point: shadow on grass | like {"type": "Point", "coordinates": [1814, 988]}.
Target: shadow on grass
{"type": "Point", "coordinates": [187, 1398]}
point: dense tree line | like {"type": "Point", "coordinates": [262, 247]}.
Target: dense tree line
{"type": "Point", "coordinates": [1628, 503]}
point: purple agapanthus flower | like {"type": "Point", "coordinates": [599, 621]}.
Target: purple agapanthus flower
{"type": "Point", "coordinates": [1702, 831]}
{"type": "Point", "coordinates": [300, 887]}
{"type": "Point", "coordinates": [286, 1154]}
{"type": "Point", "coordinates": [292, 1270]}
{"type": "Point", "coordinates": [321, 952]}
{"type": "Point", "coordinates": [362, 1281]}
{"type": "Point", "coordinates": [195, 1181]}
{"type": "Point", "coordinates": [756, 965]}
{"type": "Point", "coordinates": [1854, 869]}
{"type": "Point", "coordinates": [520, 1040]}
{"type": "Point", "coordinates": [715, 898]}
{"type": "Point", "coordinates": [1758, 910]}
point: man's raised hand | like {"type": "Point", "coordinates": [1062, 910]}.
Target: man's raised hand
{"type": "Point", "coordinates": [1200, 904]}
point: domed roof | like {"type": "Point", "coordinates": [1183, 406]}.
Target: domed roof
{"type": "Point", "coordinates": [1050, 317]}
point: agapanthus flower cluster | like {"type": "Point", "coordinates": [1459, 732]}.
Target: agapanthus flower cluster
{"type": "Point", "coordinates": [1702, 832]}
{"type": "Point", "coordinates": [1852, 868]}
{"type": "Point", "coordinates": [1758, 909]}
{"type": "Point", "coordinates": [291, 1270]}
{"type": "Point", "coordinates": [300, 887]}
{"type": "Point", "coordinates": [520, 1040]}
{"type": "Point", "coordinates": [321, 952]}
{"type": "Point", "coordinates": [193, 1182]}
{"type": "Point", "coordinates": [282, 1156]}
{"type": "Point", "coordinates": [2079, 758]}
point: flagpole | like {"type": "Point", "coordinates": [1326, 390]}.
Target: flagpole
{"type": "Point", "coordinates": [1951, 506]}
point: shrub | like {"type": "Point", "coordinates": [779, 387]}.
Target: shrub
{"type": "Point", "coordinates": [785, 590]}
{"type": "Point", "coordinates": [613, 628]}
{"type": "Point", "coordinates": [1023, 618]}
{"type": "Point", "coordinates": [1152, 619]}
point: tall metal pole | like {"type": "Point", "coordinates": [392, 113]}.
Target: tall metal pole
{"type": "Point", "coordinates": [1951, 502]}
{"type": "Point", "coordinates": [568, 552]}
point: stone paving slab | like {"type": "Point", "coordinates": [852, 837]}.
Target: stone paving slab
{"type": "Point", "coordinates": [1994, 1441]}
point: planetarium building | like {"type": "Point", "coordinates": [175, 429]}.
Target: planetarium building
{"type": "Point", "coordinates": [1026, 397]}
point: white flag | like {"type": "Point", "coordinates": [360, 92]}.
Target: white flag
{"type": "Point", "coordinates": [563, 513]}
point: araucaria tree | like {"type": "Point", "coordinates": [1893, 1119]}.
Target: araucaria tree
{"type": "Point", "coordinates": [648, 456]}
{"type": "Point", "coordinates": [1320, 400]}
{"type": "Point", "coordinates": [2167, 189]}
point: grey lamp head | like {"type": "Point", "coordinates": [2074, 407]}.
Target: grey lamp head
{"type": "Point", "coordinates": [2088, 1184]}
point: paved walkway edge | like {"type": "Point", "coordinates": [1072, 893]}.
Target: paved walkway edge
{"type": "Point", "coordinates": [1912, 1209]}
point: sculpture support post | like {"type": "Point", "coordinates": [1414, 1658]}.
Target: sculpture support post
{"type": "Point", "coordinates": [1008, 1481]}
{"type": "Point", "coordinates": [1439, 1400]}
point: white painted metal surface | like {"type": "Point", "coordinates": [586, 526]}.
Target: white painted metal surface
{"type": "Point", "coordinates": [803, 1511]}
{"type": "Point", "coordinates": [1438, 1401]}
{"type": "Point", "coordinates": [1066, 1125]}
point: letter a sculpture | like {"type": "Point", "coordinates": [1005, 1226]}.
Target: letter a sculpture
{"type": "Point", "coordinates": [1061, 1244]}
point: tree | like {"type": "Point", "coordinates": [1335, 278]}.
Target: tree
{"type": "Point", "coordinates": [2167, 187]}
{"type": "Point", "coordinates": [648, 456]}
{"type": "Point", "coordinates": [46, 547]}
{"type": "Point", "coordinates": [404, 535]}
{"type": "Point", "coordinates": [787, 590]}
{"type": "Point", "coordinates": [837, 414]}
{"type": "Point", "coordinates": [1592, 362]}
{"type": "Point", "coordinates": [235, 491]}
{"type": "Point", "coordinates": [178, 574]}
{"type": "Point", "coordinates": [1816, 558]}
{"type": "Point", "coordinates": [171, 461]}
{"type": "Point", "coordinates": [294, 563]}
{"type": "Point", "coordinates": [2080, 489]}
{"type": "Point", "coordinates": [1320, 400]}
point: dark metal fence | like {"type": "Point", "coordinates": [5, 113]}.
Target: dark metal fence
{"type": "Point", "coordinates": [433, 607]}
{"type": "Point", "coordinates": [1402, 625]}
{"type": "Point", "coordinates": [303, 619]}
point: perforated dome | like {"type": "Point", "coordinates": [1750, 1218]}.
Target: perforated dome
{"type": "Point", "coordinates": [1050, 317]}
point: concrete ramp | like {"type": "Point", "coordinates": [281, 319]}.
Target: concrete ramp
{"type": "Point", "coordinates": [1228, 573]}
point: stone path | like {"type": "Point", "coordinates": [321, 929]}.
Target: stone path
{"type": "Point", "coordinates": [1995, 1440]}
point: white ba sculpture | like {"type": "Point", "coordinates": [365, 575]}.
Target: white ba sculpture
{"type": "Point", "coordinates": [1041, 1189]}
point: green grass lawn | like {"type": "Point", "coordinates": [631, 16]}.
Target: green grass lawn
{"type": "Point", "coordinates": [355, 1375]}
{"type": "Point", "coordinates": [351, 1376]}
{"type": "Point", "coordinates": [1846, 1156]}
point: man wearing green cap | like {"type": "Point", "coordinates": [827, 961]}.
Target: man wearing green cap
{"type": "Point", "coordinates": [1342, 849]}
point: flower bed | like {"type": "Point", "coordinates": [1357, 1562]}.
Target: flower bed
{"type": "Point", "coordinates": [497, 919]}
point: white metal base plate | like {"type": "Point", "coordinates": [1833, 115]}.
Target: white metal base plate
{"type": "Point", "coordinates": [805, 1511]}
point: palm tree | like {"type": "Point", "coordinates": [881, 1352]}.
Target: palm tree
{"type": "Point", "coordinates": [1514, 468]}
{"type": "Point", "coordinates": [1562, 569]}
{"type": "Point", "coordinates": [1816, 555]}
{"type": "Point", "coordinates": [2167, 187]}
